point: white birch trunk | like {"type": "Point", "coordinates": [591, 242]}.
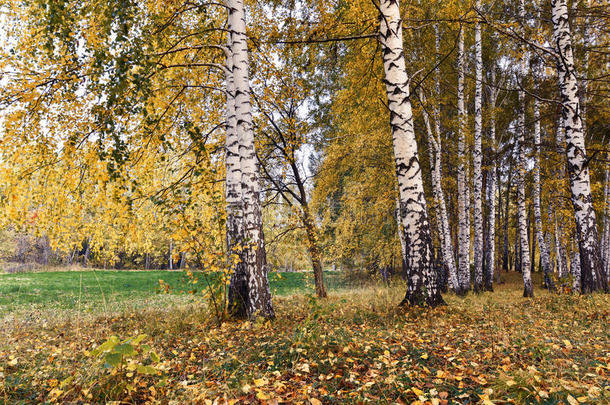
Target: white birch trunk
{"type": "Point", "coordinates": [422, 288]}
{"type": "Point", "coordinates": [259, 296]}
{"type": "Point", "coordinates": [528, 290]}
{"type": "Point", "coordinates": [491, 191]}
{"type": "Point", "coordinates": [544, 250]}
{"type": "Point", "coordinates": [238, 291]}
{"type": "Point", "coordinates": [606, 235]}
{"type": "Point", "coordinates": [462, 183]}
{"type": "Point", "coordinates": [477, 156]}
{"type": "Point", "coordinates": [575, 269]}
{"type": "Point", "coordinates": [434, 140]}
{"type": "Point", "coordinates": [593, 273]}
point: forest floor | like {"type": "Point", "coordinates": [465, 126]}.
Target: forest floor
{"type": "Point", "coordinates": [354, 347]}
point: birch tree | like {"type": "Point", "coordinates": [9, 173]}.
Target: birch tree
{"type": "Point", "coordinates": [544, 251]}
{"type": "Point", "coordinates": [490, 252]}
{"type": "Point", "coordinates": [422, 288]}
{"type": "Point", "coordinates": [462, 184]}
{"type": "Point", "coordinates": [434, 141]}
{"type": "Point", "coordinates": [528, 290]}
{"type": "Point", "coordinates": [254, 258]}
{"type": "Point", "coordinates": [478, 158]}
{"type": "Point", "coordinates": [446, 240]}
{"type": "Point", "coordinates": [593, 274]}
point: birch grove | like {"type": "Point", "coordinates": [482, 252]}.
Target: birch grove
{"type": "Point", "coordinates": [240, 140]}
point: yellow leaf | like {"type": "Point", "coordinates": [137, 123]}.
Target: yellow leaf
{"type": "Point", "coordinates": [315, 401]}
{"type": "Point", "coordinates": [260, 382]}
{"type": "Point", "coordinates": [572, 400]}
{"type": "Point", "coordinates": [417, 391]}
{"type": "Point", "coordinates": [262, 396]}
{"type": "Point", "coordinates": [424, 356]}
{"type": "Point", "coordinates": [246, 388]}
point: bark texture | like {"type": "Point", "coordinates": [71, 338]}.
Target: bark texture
{"type": "Point", "coordinates": [422, 288]}
{"type": "Point", "coordinates": [528, 290]}
{"type": "Point", "coordinates": [490, 252]}
{"type": "Point", "coordinates": [477, 157]}
{"type": "Point", "coordinates": [434, 141]}
{"type": "Point", "coordinates": [593, 274]}
{"type": "Point", "coordinates": [462, 183]}
{"type": "Point", "coordinates": [545, 255]}
{"type": "Point", "coordinates": [254, 257]}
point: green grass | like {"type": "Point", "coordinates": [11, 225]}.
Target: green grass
{"type": "Point", "coordinates": [92, 290]}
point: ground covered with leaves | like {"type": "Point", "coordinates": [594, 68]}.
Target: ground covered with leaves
{"type": "Point", "coordinates": [354, 347]}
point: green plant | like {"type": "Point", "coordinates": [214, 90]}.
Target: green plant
{"type": "Point", "coordinates": [128, 361]}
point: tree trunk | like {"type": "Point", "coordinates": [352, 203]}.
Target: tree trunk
{"type": "Point", "coordinates": [505, 250]}
{"type": "Point", "coordinates": [528, 290]}
{"type": "Point", "coordinates": [254, 257]}
{"type": "Point", "coordinates": [314, 253]}
{"type": "Point", "coordinates": [478, 158]}
{"type": "Point", "coordinates": [422, 288]}
{"type": "Point", "coordinates": [575, 269]}
{"type": "Point", "coordinates": [434, 141]}
{"type": "Point", "coordinates": [544, 249]}
{"type": "Point", "coordinates": [606, 235]}
{"type": "Point", "coordinates": [170, 254]}
{"type": "Point", "coordinates": [462, 181]}
{"type": "Point", "coordinates": [593, 274]}
{"type": "Point", "coordinates": [490, 252]}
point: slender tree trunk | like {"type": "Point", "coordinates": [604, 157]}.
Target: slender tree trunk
{"type": "Point", "coordinates": [422, 288]}
{"type": "Point", "coordinates": [528, 290]}
{"type": "Point", "coordinates": [575, 269]}
{"type": "Point", "coordinates": [544, 249]}
{"type": "Point", "coordinates": [254, 257]}
{"type": "Point", "coordinates": [170, 253]}
{"type": "Point", "coordinates": [463, 192]}
{"type": "Point", "coordinates": [593, 273]}
{"type": "Point", "coordinates": [505, 250]}
{"type": "Point", "coordinates": [606, 235]}
{"type": "Point", "coordinates": [434, 140]}
{"type": "Point", "coordinates": [490, 252]}
{"type": "Point", "coordinates": [314, 252]}
{"type": "Point", "coordinates": [478, 158]}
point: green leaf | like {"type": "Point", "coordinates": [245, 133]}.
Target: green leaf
{"type": "Point", "coordinates": [139, 339]}
{"type": "Point", "coordinates": [125, 349]}
{"type": "Point", "coordinates": [155, 357]}
{"type": "Point", "coordinates": [147, 370]}
{"type": "Point", "coordinates": [113, 359]}
{"type": "Point", "coordinates": [105, 347]}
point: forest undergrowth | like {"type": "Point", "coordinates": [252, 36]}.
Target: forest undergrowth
{"type": "Point", "coordinates": [354, 347]}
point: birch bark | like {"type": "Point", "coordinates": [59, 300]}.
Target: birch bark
{"type": "Point", "coordinates": [593, 274]}
{"type": "Point", "coordinates": [463, 200]}
{"type": "Point", "coordinates": [446, 239]}
{"type": "Point", "coordinates": [254, 258]}
{"type": "Point", "coordinates": [422, 288]}
{"type": "Point", "coordinates": [528, 290]}
{"type": "Point", "coordinates": [434, 141]}
{"type": "Point", "coordinates": [478, 158]}
{"type": "Point", "coordinates": [544, 250]}
{"type": "Point", "coordinates": [490, 253]}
